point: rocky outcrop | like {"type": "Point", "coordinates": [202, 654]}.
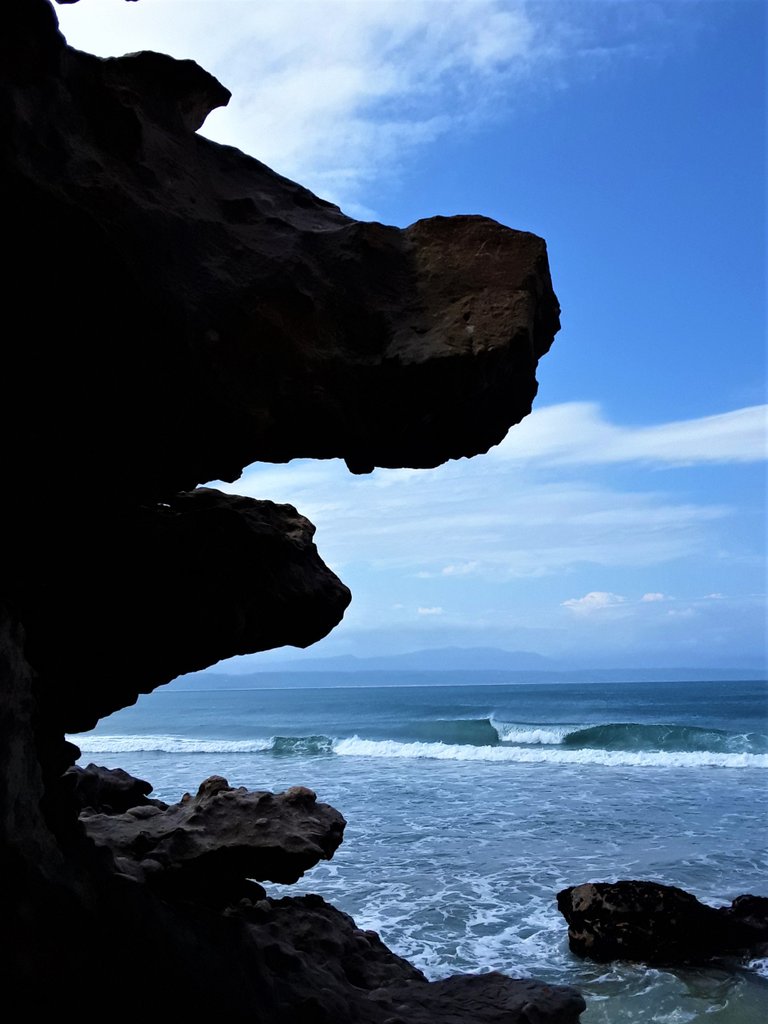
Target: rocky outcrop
{"type": "Point", "coordinates": [492, 998]}
{"type": "Point", "coordinates": [215, 313]}
{"type": "Point", "coordinates": [659, 924]}
{"type": "Point", "coordinates": [199, 575]}
{"type": "Point", "coordinates": [208, 313]}
{"type": "Point", "coordinates": [221, 836]}
{"type": "Point", "coordinates": [206, 851]}
{"type": "Point", "coordinates": [180, 311]}
{"type": "Point", "coordinates": [108, 790]}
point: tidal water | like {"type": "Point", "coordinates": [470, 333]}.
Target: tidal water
{"type": "Point", "coordinates": [470, 806]}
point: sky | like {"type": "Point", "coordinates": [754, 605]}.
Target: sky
{"type": "Point", "coordinates": [623, 523]}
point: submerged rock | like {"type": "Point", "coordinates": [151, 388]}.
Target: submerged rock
{"type": "Point", "coordinates": [659, 924]}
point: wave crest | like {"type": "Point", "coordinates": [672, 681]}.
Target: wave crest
{"type": "Point", "coordinates": [356, 747]}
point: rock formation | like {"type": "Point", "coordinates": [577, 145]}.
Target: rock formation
{"type": "Point", "coordinates": [660, 925]}
{"type": "Point", "coordinates": [220, 836]}
{"type": "Point", "coordinates": [177, 311]}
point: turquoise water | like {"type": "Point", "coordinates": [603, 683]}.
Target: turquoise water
{"type": "Point", "coordinates": [469, 807]}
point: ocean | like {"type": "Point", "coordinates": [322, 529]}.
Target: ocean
{"type": "Point", "coordinates": [470, 806]}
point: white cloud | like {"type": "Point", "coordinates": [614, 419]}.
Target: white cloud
{"type": "Point", "coordinates": [648, 598]}
{"type": "Point", "coordinates": [594, 601]}
{"type": "Point", "coordinates": [431, 611]}
{"type": "Point", "coordinates": [335, 92]}
{"type": "Point", "coordinates": [464, 569]}
{"type": "Point", "coordinates": [485, 518]}
{"type": "Point", "coordinates": [576, 433]}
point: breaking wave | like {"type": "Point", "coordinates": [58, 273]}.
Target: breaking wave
{"type": "Point", "coordinates": [629, 736]}
{"type": "Point", "coordinates": [356, 747]}
{"type": "Point", "coordinates": [546, 734]}
{"type": "Point", "coordinates": [615, 745]}
{"type": "Point", "coordinates": [278, 745]}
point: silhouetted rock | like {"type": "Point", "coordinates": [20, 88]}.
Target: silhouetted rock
{"type": "Point", "coordinates": [185, 312]}
{"type": "Point", "coordinates": [658, 924]}
{"type": "Point", "coordinates": [180, 311]}
{"type": "Point", "coordinates": [108, 790]}
{"type": "Point", "coordinates": [493, 998]}
{"type": "Point", "coordinates": [200, 577]}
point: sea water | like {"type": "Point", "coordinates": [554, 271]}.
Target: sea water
{"type": "Point", "coordinates": [470, 806]}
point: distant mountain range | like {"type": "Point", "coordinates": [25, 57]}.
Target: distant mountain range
{"type": "Point", "coordinates": [437, 659]}
{"type": "Point", "coordinates": [441, 665]}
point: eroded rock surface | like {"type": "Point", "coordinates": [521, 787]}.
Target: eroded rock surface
{"type": "Point", "coordinates": [659, 924]}
{"type": "Point", "coordinates": [222, 834]}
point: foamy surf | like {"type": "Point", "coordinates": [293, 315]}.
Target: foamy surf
{"type": "Point", "coordinates": [356, 747]}
{"type": "Point", "coordinates": [168, 745]}
{"type": "Point", "coordinates": [470, 807]}
{"type": "Point", "coordinates": [545, 750]}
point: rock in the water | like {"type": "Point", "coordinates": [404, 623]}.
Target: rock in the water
{"type": "Point", "coordinates": [381, 988]}
{"type": "Point", "coordinates": [658, 924]}
{"type": "Point", "coordinates": [484, 999]}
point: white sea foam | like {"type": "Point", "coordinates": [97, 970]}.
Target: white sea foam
{"type": "Point", "coordinates": [541, 751]}
{"type": "Point", "coordinates": [356, 747]}
{"type": "Point", "coordinates": [551, 734]}
{"type": "Point", "coordinates": [168, 744]}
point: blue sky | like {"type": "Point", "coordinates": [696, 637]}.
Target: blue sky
{"type": "Point", "coordinates": [624, 522]}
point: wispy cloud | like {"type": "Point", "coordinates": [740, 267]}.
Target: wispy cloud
{"type": "Point", "coordinates": [340, 93]}
{"type": "Point", "coordinates": [436, 610]}
{"type": "Point", "coordinates": [576, 433]}
{"type": "Point", "coordinates": [464, 569]}
{"type": "Point", "coordinates": [336, 92]}
{"type": "Point", "coordinates": [495, 518]}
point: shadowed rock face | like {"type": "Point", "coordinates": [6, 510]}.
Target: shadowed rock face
{"type": "Point", "coordinates": [179, 311]}
{"type": "Point", "coordinates": [184, 311]}
{"type": "Point", "coordinates": [210, 313]}
{"type": "Point", "coordinates": [174, 587]}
